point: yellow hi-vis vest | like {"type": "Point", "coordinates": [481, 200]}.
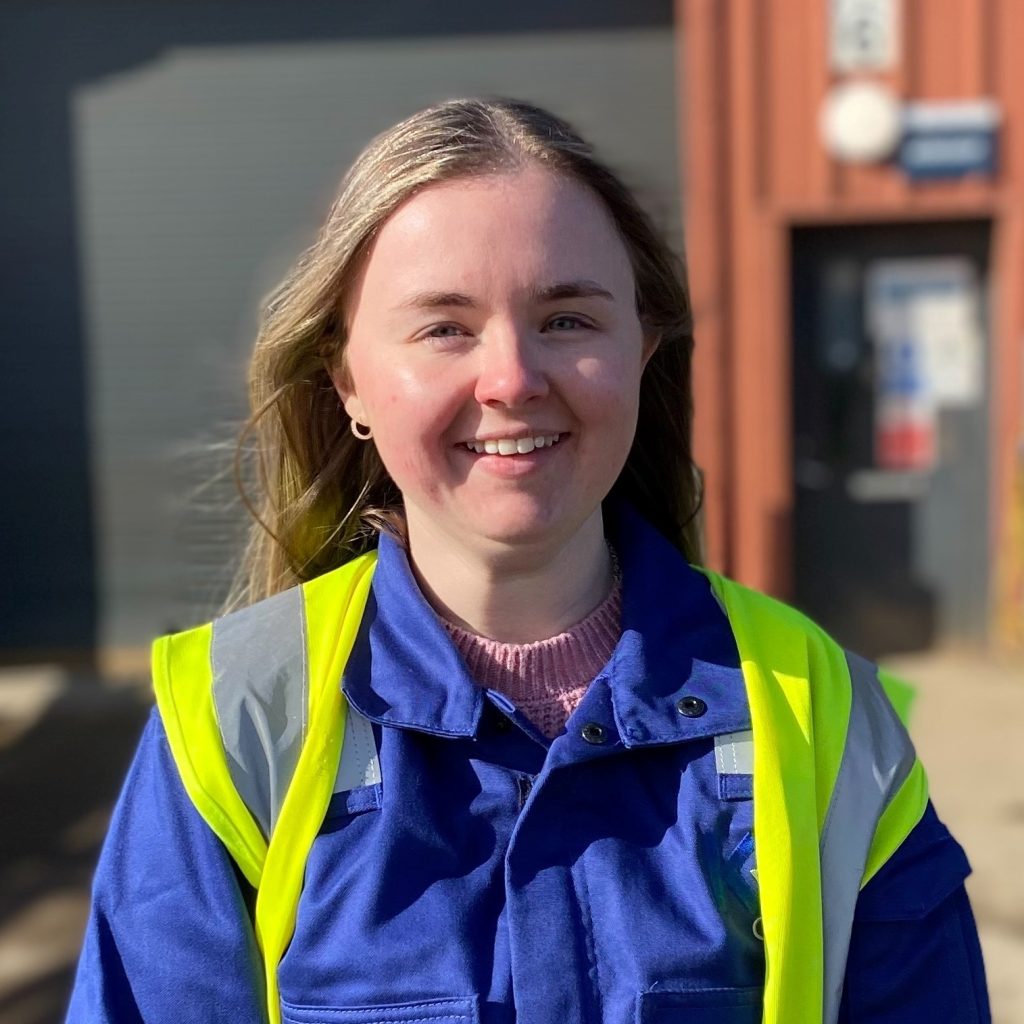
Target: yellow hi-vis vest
{"type": "Point", "coordinates": [837, 787]}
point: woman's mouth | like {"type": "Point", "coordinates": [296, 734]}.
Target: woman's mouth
{"type": "Point", "coordinates": [511, 445]}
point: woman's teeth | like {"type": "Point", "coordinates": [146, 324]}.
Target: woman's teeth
{"type": "Point", "coordinates": [508, 446]}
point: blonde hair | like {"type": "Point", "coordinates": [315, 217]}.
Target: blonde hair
{"type": "Point", "coordinates": [323, 494]}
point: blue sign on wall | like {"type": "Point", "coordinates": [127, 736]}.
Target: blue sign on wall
{"type": "Point", "coordinates": [949, 140]}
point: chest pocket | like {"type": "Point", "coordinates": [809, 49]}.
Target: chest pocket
{"type": "Point", "coordinates": [700, 1006]}
{"type": "Point", "coordinates": [428, 1011]}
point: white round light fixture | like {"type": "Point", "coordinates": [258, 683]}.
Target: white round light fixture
{"type": "Point", "coordinates": [860, 122]}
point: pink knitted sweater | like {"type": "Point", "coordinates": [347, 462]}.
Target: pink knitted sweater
{"type": "Point", "coordinates": [546, 679]}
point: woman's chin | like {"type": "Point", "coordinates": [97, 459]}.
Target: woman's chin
{"type": "Point", "coordinates": [514, 522]}
{"type": "Point", "coordinates": [549, 527]}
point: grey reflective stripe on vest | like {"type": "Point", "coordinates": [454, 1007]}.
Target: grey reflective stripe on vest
{"type": "Point", "coordinates": [876, 760]}
{"type": "Point", "coordinates": [261, 696]}
{"type": "Point", "coordinates": [260, 688]}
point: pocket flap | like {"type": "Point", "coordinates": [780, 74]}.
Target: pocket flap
{"type": "Point", "coordinates": [434, 1011]}
{"type": "Point", "coordinates": [700, 1006]}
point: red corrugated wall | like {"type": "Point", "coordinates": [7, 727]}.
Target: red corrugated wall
{"type": "Point", "coordinates": [753, 77]}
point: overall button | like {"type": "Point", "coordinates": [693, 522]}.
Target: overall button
{"type": "Point", "coordinates": [691, 707]}
{"type": "Point", "coordinates": [593, 733]}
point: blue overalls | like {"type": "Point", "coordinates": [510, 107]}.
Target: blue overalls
{"type": "Point", "coordinates": [607, 876]}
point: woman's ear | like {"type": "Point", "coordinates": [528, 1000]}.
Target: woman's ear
{"type": "Point", "coordinates": [652, 339]}
{"type": "Point", "coordinates": [343, 385]}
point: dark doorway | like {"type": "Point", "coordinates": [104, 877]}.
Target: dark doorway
{"type": "Point", "coordinates": [891, 433]}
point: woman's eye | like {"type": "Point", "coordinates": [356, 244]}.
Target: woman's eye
{"type": "Point", "coordinates": [444, 331]}
{"type": "Point", "coordinates": [444, 335]}
{"type": "Point", "coordinates": [566, 323]}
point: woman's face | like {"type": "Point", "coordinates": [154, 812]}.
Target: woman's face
{"type": "Point", "coordinates": [497, 315]}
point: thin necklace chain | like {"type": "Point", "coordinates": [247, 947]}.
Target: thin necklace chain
{"type": "Point", "coordinates": [616, 564]}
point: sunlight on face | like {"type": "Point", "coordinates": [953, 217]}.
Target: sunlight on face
{"type": "Point", "coordinates": [497, 313]}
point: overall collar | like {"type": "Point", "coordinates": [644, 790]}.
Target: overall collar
{"type": "Point", "coordinates": [404, 669]}
{"type": "Point", "coordinates": [676, 645]}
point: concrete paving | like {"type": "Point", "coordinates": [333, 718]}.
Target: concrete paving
{"type": "Point", "coordinates": [65, 743]}
{"type": "Point", "coordinates": [968, 725]}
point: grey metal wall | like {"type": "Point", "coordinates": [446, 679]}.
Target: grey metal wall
{"type": "Point", "coordinates": [201, 168]}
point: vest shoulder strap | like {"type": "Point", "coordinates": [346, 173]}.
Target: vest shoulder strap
{"type": "Point", "coordinates": [261, 733]}
{"type": "Point", "coordinates": [832, 760]}
{"type": "Point", "coordinates": [333, 612]}
{"type": "Point", "coordinates": [183, 686]}
{"type": "Point", "coordinates": [237, 693]}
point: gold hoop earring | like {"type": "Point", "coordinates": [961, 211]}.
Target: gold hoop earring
{"type": "Point", "coordinates": [355, 428]}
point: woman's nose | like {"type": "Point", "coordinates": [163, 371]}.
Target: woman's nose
{"type": "Point", "coordinates": [511, 370]}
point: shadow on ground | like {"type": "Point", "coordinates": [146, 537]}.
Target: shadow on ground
{"type": "Point", "coordinates": [65, 745]}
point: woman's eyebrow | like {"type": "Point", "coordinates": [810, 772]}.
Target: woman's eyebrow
{"type": "Point", "coordinates": [435, 300]}
{"type": "Point", "coordinates": [583, 289]}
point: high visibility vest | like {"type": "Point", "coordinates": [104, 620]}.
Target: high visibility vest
{"type": "Point", "coordinates": [837, 786]}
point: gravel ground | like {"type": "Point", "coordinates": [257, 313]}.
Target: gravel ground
{"type": "Point", "coordinates": [65, 743]}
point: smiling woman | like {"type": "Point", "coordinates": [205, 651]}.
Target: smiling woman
{"type": "Point", "coordinates": [482, 744]}
{"type": "Point", "coordinates": [414, 256]}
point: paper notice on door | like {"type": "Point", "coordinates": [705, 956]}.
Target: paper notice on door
{"type": "Point", "coordinates": [946, 326]}
{"type": "Point", "coordinates": [905, 409]}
